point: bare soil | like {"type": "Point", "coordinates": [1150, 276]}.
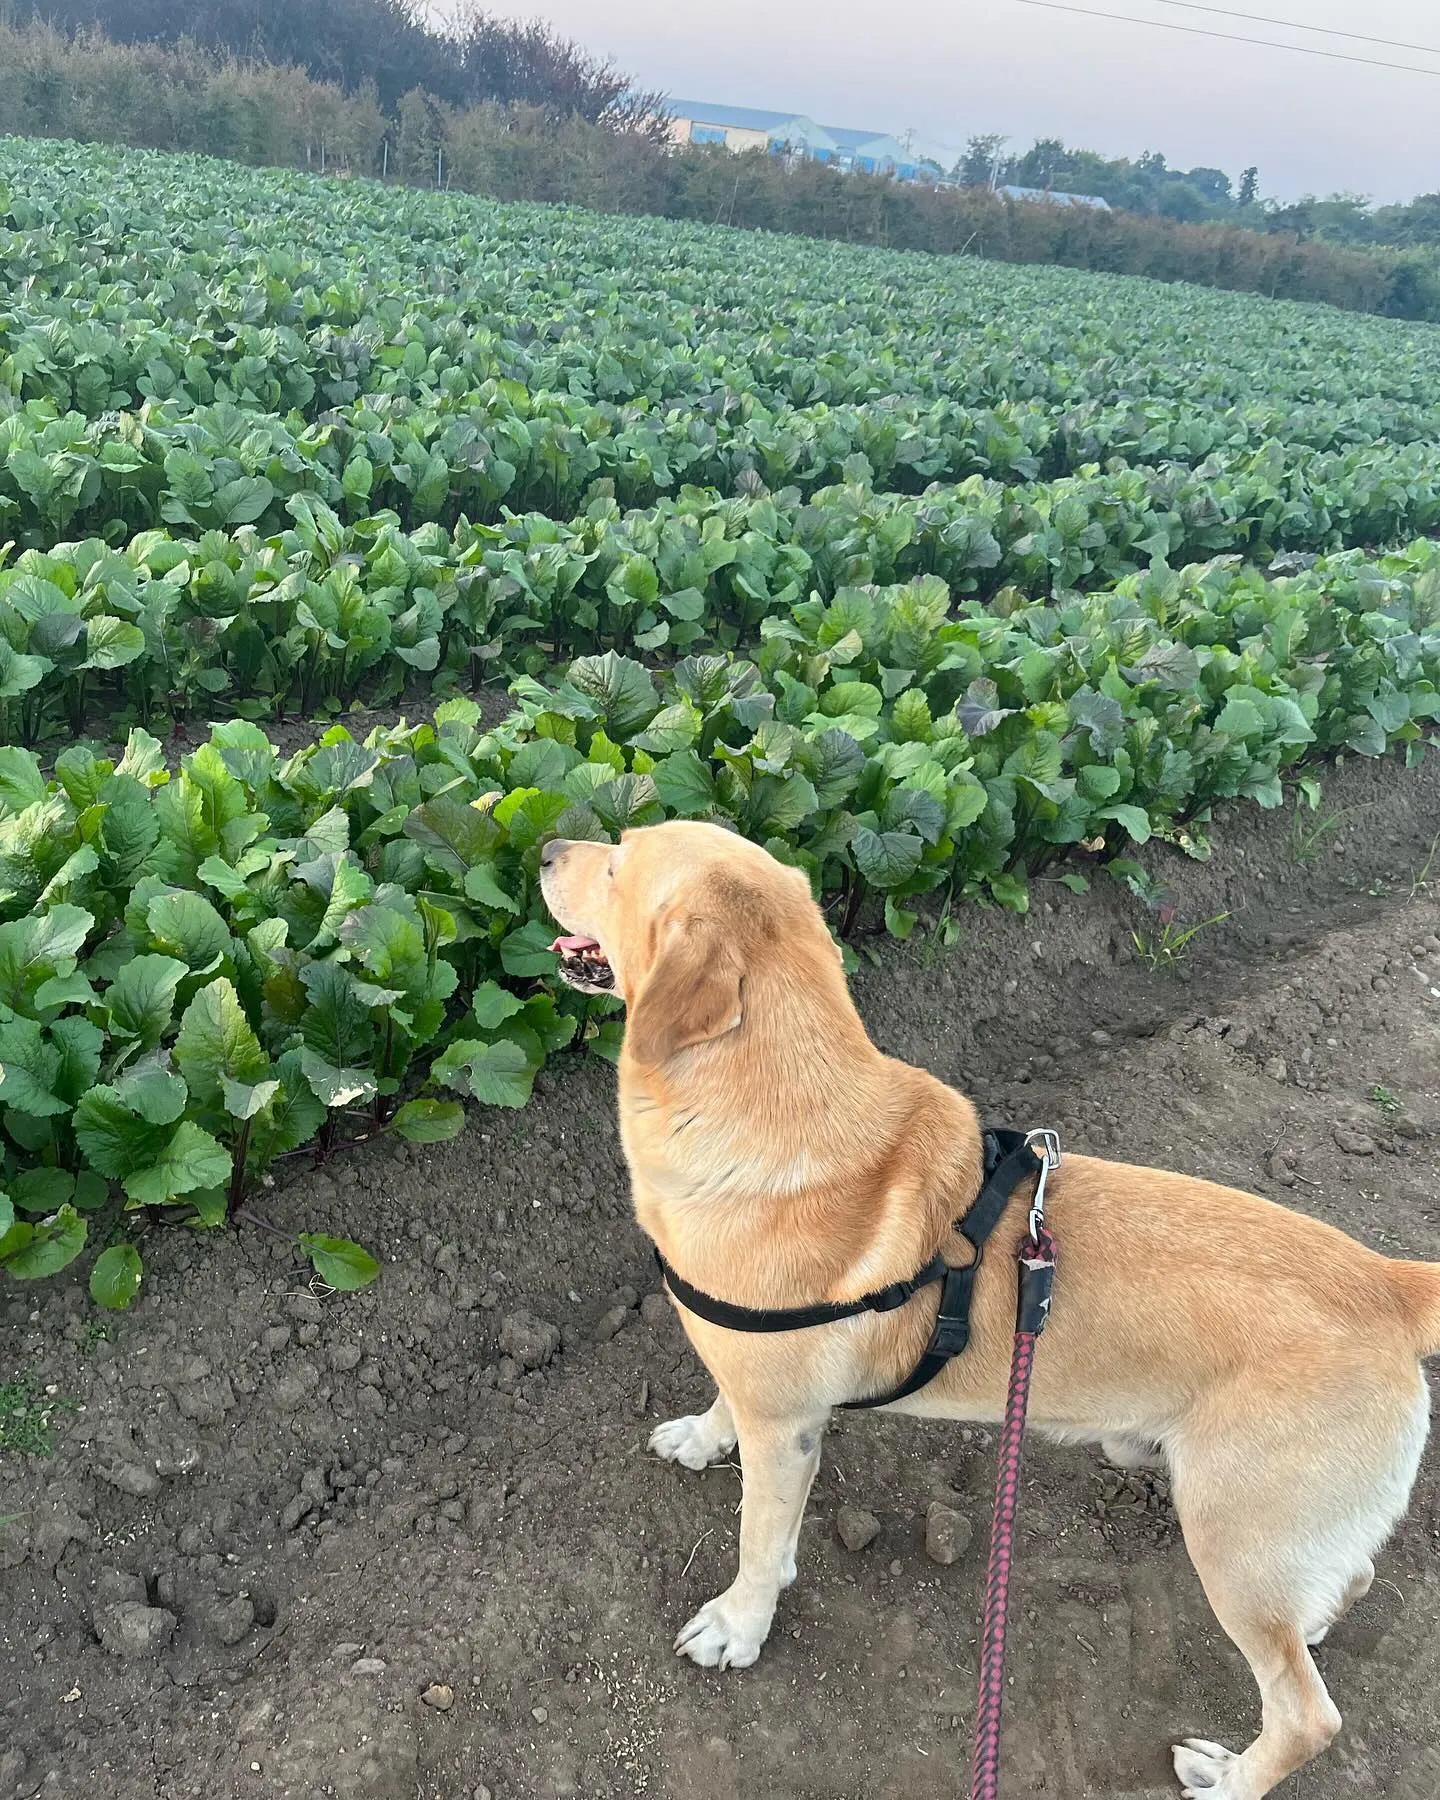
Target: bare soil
{"type": "Point", "coordinates": [343, 1502]}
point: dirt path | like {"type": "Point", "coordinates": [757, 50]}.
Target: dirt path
{"type": "Point", "coordinates": [345, 1502]}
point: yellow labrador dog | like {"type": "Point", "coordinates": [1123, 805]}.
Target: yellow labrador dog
{"type": "Point", "coordinates": [778, 1160]}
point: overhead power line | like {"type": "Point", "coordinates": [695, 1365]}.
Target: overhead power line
{"type": "Point", "coordinates": [1363, 37]}
{"type": "Point", "coordinates": [1230, 37]}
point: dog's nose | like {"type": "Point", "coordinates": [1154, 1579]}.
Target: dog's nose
{"type": "Point", "coordinates": [552, 852]}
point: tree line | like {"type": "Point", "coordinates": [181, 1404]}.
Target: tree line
{"type": "Point", "coordinates": [1148, 184]}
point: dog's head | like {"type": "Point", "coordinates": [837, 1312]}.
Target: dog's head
{"type": "Point", "coordinates": [687, 922]}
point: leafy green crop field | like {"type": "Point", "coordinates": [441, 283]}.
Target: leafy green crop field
{"type": "Point", "coordinates": [924, 573]}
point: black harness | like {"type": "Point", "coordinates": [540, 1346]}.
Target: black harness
{"type": "Point", "coordinates": [1009, 1160]}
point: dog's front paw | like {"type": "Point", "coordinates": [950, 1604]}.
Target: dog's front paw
{"type": "Point", "coordinates": [1204, 1769]}
{"type": "Point", "coordinates": [693, 1441]}
{"type": "Point", "coordinates": [723, 1634]}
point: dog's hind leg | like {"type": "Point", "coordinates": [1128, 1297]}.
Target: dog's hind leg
{"type": "Point", "coordinates": [698, 1439]}
{"type": "Point", "coordinates": [1282, 1505]}
{"type": "Point", "coordinates": [778, 1458]}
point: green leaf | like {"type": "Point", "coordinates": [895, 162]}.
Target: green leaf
{"type": "Point", "coordinates": [886, 858]}
{"type": "Point", "coordinates": [215, 1043]}
{"type": "Point", "coordinates": [493, 1005]}
{"type": "Point", "coordinates": [242, 1100]}
{"type": "Point", "coordinates": [499, 1074]}
{"type": "Point", "coordinates": [1135, 819]}
{"type": "Point", "coordinates": [43, 1249]}
{"type": "Point", "coordinates": [336, 1086]}
{"type": "Point", "coordinates": [526, 950]}
{"type": "Point", "coordinates": [429, 1121]}
{"type": "Point", "coordinates": [116, 1276]}
{"type": "Point", "coordinates": [620, 691]}
{"type": "Point", "coordinates": [339, 1263]}
{"type": "Point", "coordinates": [187, 926]}
{"type": "Point", "coordinates": [30, 1070]}
{"type": "Point", "coordinates": [482, 885]}
{"type": "Point", "coordinates": [685, 785]}
{"type": "Point", "coordinates": [141, 998]}
{"type": "Point", "coordinates": [42, 1190]}
{"type": "Point", "coordinates": [153, 1091]}
{"type": "Point", "coordinates": [190, 1159]}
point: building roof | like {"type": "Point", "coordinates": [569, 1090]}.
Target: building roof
{"type": "Point", "coordinates": [742, 118]}
{"type": "Point", "coordinates": [855, 140]}
{"type": "Point", "coordinates": [1056, 198]}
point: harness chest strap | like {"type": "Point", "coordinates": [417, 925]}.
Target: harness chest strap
{"type": "Point", "coordinates": [1009, 1159]}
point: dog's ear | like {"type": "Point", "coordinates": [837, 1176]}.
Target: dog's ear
{"type": "Point", "coordinates": [691, 994]}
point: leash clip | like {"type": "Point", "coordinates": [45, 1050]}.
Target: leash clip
{"type": "Point", "coordinates": [1046, 1145]}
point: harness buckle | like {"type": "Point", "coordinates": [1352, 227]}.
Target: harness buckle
{"type": "Point", "coordinates": [1046, 1145]}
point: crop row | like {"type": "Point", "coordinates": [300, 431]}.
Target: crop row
{"type": "Point", "coordinates": [223, 465]}
{"type": "Point", "coordinates": [323, 612]}
{"type": "Point", "coordinates": [202, 970]}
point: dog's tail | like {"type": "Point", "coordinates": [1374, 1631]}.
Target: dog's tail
{"type": "Point", "coordinates": [1418, 1287]}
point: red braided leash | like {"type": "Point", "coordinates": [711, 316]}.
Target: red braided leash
{"type": "Point", "coordinates": [1037, 1274]}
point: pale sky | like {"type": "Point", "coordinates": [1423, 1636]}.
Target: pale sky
{"type": "Point", "coordinates": [948, 68]}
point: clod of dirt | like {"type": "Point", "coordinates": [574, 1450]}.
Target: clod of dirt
{"type": "Point", "coordinates": [610, 1323]}
{"type": "Point", "coordinates": [304, 1307]}
{"type": "Point", "coordinates": [855, 1527]}
{"type": "Point", "coordinates": [344, 1358]}
{"type": "Point", "coordinates": [1279, 1169]}
{"type": "Point", "coordinates": [530, 1341]}
{"type": "Point", "coordinates": [12, 1772]}
{"type": "Point", "coordinates": [947, 1533]}
{"type": "Point", "coordinates": [113, 1587]}
{"type": "Point", "coordinates": [226, 1621]}
{"type": "Point", "coordinates": [439, 1696]}
{"type": "Point", "coordinates": [131, 1478]}
{"type": "Point", "coordinates": [1275, 1068]}
{"type": "Point", "coordinates": [655, 1311]}
{"type": "Point", "coordinates": [133, 1630]}
{"type": "Point", "coordinates": [368, 1665]}
{"type": "Point", "coordinates": [1353, 1143]}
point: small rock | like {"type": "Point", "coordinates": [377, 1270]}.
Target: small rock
{"type": "Point", "coordinates": [1278, 1168]}
{"type": "Point", "coordinates": [131, 1478]}
{"type": "Point", "coordinates": [368, 1665]}
{"type": "Point", "coordinates": [1353, 1143]}
{"type": "Point", "coordinates": [530, 1341]}
{"type": "Point", "coordinates": [438, 1695]}
{"type": "Point", "coordinates": [295, 1510]}
{"type": "Point", "coordinates": [483, 1793]}
{"type": "Point", "coordinates": [1102, 1038]}
{"type": "Point", "coordinates": [626, 1297]}
{"type": "Point", "coordinates": [447, 1261]}
{"type": "Point", "coordinates": [947, 1533]}
{"type": "Point", "coordinates": [132, 1630]}
{"type": "Point", "coordinates": [539, 1715]}
{"type": "Point", "coordinates": [655, 1310]}
{"type": "Point", "coordinates": [1276, 1070]}
{"type": "Point", "coordinates": [344, 1357]}
{"type": "Point", "coordinates": [855, 1527]}
{"type": "Point", "coordinates": [612, 1321]}
{"type": "Point", "coordinates": [347, 1652]}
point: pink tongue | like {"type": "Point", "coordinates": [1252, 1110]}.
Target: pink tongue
{"type": "Point", "coordinates": [574, 946]}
